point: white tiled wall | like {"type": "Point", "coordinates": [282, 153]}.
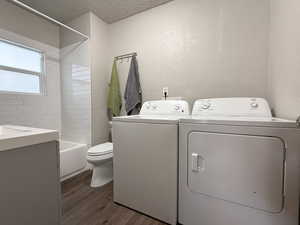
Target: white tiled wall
{"type": "Point", "coordinates": [76, 103]}
{"type": "Point", "coordinates": [76, 92]}
{"type": "Point", "coordinates": [42, 111]}
{"type": "Point", "coordinates": [100, 71]}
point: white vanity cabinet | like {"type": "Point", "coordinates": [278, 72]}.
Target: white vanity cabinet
{"type": "Point", "coordinates": [29, 177]}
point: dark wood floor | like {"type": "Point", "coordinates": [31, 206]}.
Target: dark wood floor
{"type": "Point", "coordinates": [83, 205]}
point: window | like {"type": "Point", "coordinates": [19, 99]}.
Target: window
{"type": "Point", "coordinates": [21, 69]}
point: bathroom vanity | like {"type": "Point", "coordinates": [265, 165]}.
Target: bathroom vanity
{"type": "Point", "coordinates": [29, 176]}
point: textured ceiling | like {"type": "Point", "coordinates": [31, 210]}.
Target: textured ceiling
{"type": "Point", "coordinates": [108, 10]}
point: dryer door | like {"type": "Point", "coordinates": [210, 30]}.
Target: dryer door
{"type": "Point", "coordinates": [242, 169]}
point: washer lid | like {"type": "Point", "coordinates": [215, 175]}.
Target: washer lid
{"type": "Point", "coordinates": [153, 119]}
{"type": "Point", "coordinates": [161, 111]}
{"type": "Point", "coordinates": [101, 149]}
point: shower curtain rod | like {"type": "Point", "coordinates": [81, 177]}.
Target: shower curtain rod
{"type": "Point", "coordinates": [126, 56]}
{"type": "Point", "coordinates": [21, 4]}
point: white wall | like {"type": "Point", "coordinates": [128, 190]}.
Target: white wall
{"type": "Point", "coordinates": [100, 57]}
{"type": "Point", "coordinates": [20, 21]}
{"type": "Point", "coordinates": [34, 110]}
{"type": "Point", "coordinates": [23, 27]}
{"type": "Point", "coordinates": [284, 83]}
{"type": "Point", "coordinates": [84, 111]}
{"type": "Point", "coordinates": [76, 83]}
{"type": "Point", "coordinates": [198, 48]}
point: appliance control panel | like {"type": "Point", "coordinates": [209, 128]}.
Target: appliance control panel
{"type": "Point", "coordinates": [242, 107]}
{"type": "Point", "coordinates": [165, 107]}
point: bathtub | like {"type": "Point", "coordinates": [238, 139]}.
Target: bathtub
{"type": "Point", "coordinates": [72, 158]}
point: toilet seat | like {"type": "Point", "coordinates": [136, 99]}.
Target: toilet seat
{"type": "Point", "coordinates": [99, 158]}
{"type": "Point", "coordinates": [102, 149]}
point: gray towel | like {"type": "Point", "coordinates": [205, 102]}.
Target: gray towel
{"type": "Point", "coordinates": [133, 91]}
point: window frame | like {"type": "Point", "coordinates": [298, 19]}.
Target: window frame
{"type": "Point", "coordinates": [41, 75]}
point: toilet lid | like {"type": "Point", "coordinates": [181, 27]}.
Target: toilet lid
{"type": "Point", "coordinates": [101, 149]}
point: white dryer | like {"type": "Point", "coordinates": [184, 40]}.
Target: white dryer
{"type": "Point", "coordinates": [238, 165]}
{"type": "Point", "coordinates": [146, 159]}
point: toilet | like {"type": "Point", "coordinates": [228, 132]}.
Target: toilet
{"type": "Point", "coordinates": [100, 156]}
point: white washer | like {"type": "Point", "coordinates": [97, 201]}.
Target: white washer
{"type": "Point", "coordinates": [238, 165]}
{"type": "Point", "coordinates": [146, 159]}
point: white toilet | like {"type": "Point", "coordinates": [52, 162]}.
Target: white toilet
{"type": "Point", "coordinates": [100, 156]}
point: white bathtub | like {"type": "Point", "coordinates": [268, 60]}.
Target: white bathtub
{"type": "Point", "coordinates": [72, 158]}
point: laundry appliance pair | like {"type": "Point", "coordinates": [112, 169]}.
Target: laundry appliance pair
{"type": "Point", "coordinates": [229, 162]}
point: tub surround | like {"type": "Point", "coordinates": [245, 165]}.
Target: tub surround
{"type": "Point", "coordinates": [12, 137]}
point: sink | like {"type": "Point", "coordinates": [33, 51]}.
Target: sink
{"type": "Point", "coordinates": [12, 130]}
{"type": "Point", "coordinates": [12, 137]}
{"type": "Point", "coordinates": [29, 171]}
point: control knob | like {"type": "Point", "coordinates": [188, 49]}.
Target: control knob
{"type": "Point", "coordinates": [154, 107]}
{"type": "Point", "coordinates": [254, 105]}
{"type": "Point", "coordinates": [177, 107]}
{"type": "Point", "coordinates": [205, 105]}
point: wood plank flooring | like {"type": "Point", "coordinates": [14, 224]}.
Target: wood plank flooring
{"type": "Point", "coordinates": [83, 205]}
